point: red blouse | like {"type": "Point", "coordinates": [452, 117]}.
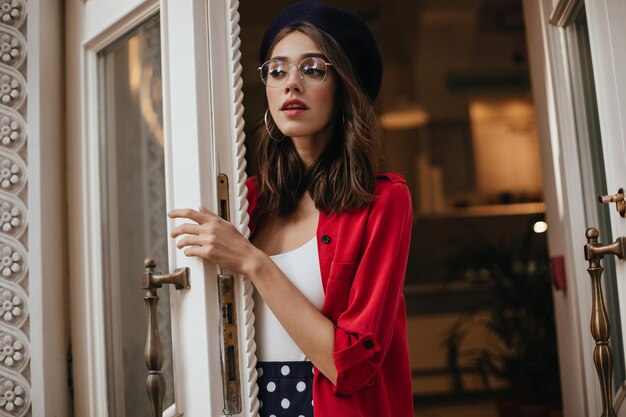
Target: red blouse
{"type": "Point", "coordinates": [363, 255]}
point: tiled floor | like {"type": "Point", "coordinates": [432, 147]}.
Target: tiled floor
{"type": "Point", "coordinates": [486, 409]}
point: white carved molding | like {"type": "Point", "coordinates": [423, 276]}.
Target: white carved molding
{"type": "Point", "coordinates": [12, 87]}
{"type": "Point", "coordinates": [15, 387]}
{"type": "Point", "coordinates": [12, 13]}
{"type": "Point", "coordinates": [12, 129]}
{"type": "Point", "coordinates": [240, 203]}
{"type": "Point", "coordinates": [13, 256]}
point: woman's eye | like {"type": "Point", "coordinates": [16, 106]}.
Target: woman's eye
{"type": "Point", "coordinates": [277, 73]}
{"type": "Point", "coordinates": [313, 72]}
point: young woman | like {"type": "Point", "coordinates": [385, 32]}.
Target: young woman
{"type": "Point", "coordinates": [330, 236]}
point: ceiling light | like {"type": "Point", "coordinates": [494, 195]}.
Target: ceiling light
{"type": "Point", "coordinates": [408, 117]}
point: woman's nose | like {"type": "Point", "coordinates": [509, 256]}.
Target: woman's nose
{"type": "Point", "coordinates": [294, 81]}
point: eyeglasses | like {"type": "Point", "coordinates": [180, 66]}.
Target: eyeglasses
{"type": "Point", "coordinates": [312, 71]}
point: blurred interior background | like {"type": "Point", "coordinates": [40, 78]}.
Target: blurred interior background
{"type": "Point", "coordinates": [459, 124]}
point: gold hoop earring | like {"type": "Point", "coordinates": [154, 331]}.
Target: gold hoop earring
{"type": "Point", "coordinates": [267, 128]}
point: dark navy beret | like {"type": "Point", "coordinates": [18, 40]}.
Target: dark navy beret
{"type": "Point", "coordinates": [348, 29]}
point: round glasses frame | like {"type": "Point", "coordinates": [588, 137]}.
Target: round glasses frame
{"type": "Point", "coordinates": [307, 80]}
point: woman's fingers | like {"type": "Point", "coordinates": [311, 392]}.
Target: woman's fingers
{"type": "Point", "coordinates": [205, 211]}
{"type": "Point", "coordinates": [195, 251]}
{"type": "Point", "coordinates": [190, 214]}
{"type": "Point", "coordinates": [192, 240]}
{"type": "Point", "coordinates": [201, 218]}
{"type": "Point", "coordinates": [186, 228]}
{"type": "Point", "coordinates": [212, 238]}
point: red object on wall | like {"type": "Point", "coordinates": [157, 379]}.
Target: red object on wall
{"type": "Point", "coordinates": [557, 264]}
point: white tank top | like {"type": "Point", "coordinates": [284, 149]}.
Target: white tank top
{"type": "Point", "coordinates": [301, 266]}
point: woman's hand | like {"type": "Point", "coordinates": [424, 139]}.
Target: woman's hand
{"type": "Point", "coordinates": [218, 241]}
{"type": "Point", "coordinates": [213, 239]}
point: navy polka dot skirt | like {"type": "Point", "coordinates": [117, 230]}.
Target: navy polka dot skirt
{"type": "Point", "coordinates": [285, 389]}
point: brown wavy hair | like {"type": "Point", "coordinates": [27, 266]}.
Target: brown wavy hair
{"type": "Point", "coordinates": [343, 176]}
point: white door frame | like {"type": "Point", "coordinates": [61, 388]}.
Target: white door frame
{"type": "Point", "coordinates": [85, 246]}
{"type": "Point", "coordinates": [43, 213]}
{"type": "Point", "coordinates": [556, 114]}
{"type": "Point", "coordinates": [202, 117]}
{"type": "Point", "coordinates": [606, 34]}
{"type": "Point", "coordinates": [217, 115]}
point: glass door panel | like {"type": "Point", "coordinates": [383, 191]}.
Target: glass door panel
{"type": "Point", "coordinates": [134, 211]}
{"type": "Point", "coordinates": [592, 167]}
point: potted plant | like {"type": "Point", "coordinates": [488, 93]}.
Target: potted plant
{"type": "Point", "coordinates": [520, 316]}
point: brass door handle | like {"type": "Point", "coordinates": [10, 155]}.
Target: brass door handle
{"type": "Point", "coordinates": [618, 199]}
{"type": "Point", "coordinates": [600, 326]}
{"type": "Point", "coordinates": [153, 353]}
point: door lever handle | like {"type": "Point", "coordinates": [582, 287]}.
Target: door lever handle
{"type": "Point", "coordinates": [153, 354]}
{"type": "Point", "coordinates": [151, 279]}
{"type": "Point", "coordinates": [595, 251]}
{"type": "Point", "coordinates": [618, 199]}
{"type": "Point", "coordinates": [600, 326]}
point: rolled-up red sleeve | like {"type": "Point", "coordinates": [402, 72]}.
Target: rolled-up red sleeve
{"type": "Point", "coordinates": [364, 329]}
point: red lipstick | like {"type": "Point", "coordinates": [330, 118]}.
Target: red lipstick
{"type": "Point", "coordinates": [293, 107]}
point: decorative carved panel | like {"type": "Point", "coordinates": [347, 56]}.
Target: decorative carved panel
{"type": "Point", "coordinates": [15, 387]}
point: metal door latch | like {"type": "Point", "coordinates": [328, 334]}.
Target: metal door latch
{"type": "Point", "coordinates": [229, 336]}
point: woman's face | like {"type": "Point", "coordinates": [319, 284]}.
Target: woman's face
{"type": "Point", "coordinates": [312, 114]}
